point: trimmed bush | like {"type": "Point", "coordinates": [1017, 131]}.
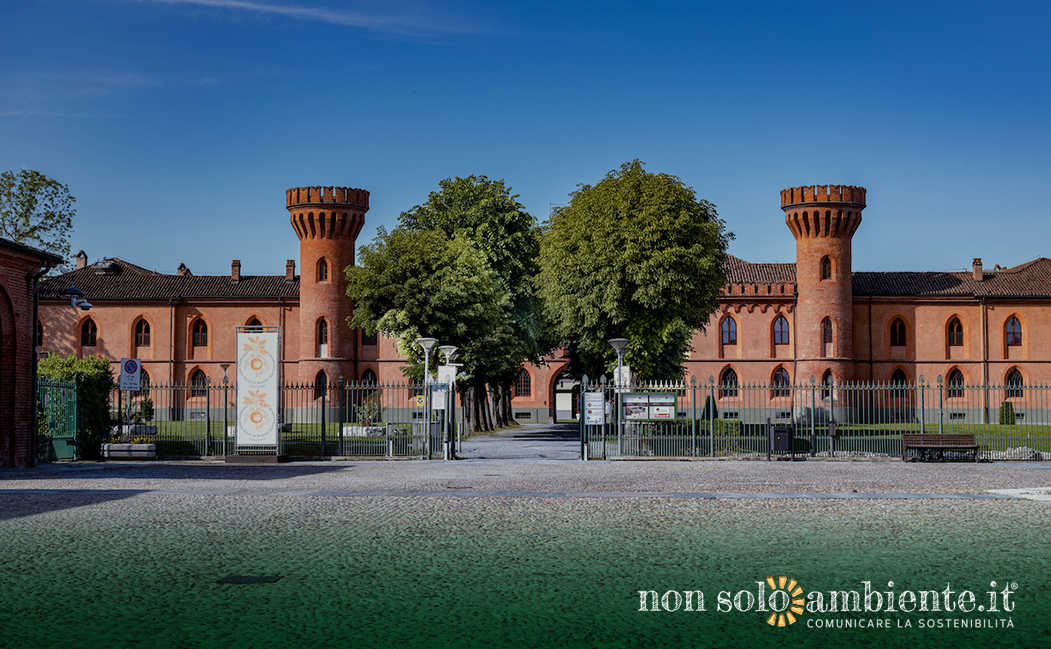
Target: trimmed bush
{"type": "Point", "coordinates": [94, 383]}
{"type": "Point", "coordinates": [1007, 414]}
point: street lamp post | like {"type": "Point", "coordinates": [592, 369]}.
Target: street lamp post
{"type": "Point", "coordinates": [427, 344]}
{"type": "Point", "coordinates": [618, 344]}
{"type": "Point", "coordinates": [450, 404]}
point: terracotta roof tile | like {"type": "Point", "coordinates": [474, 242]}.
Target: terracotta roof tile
{"type": "Point", "coordinates": [1031, 279]}
{"type": "Point", "coordinates": [130, 282]}
{"type": "Point", "coordinates": [739, 271]}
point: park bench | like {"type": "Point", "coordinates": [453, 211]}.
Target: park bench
{"type": "Point", "coordinates": [931, 446]}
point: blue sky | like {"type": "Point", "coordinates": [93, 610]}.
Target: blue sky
{"type": "Point", "coordinates": [178, 124]}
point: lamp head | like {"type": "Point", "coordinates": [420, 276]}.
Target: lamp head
{"type": "Point", "coordinates": [449, 351]}
{"type": "Point", "coordinates": [427, 343]}
{"type": "Point", "coordinates": [618, 344]}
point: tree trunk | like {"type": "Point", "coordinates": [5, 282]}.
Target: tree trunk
{"type": "Point", "coordinates": [477, 409]}
{"type": "Point", "coordinates": [508, 415]}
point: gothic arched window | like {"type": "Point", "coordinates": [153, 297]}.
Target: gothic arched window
{"type": "Point", "coordinates": [780, 331]}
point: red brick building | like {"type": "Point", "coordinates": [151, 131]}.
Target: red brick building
{"type": "Point", "coordinates": [775, 322]}
{"type": "Point", "coordinates": [20, 271]}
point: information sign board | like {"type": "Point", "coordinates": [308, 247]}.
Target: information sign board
{"type": "Point", "coordinates": [130, 374]}
{"type": "Point", "coordinates": [648, 406]}
{"type": "Point", "coordinates": [594, 409]}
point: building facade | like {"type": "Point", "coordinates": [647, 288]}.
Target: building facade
{"type": "Point", "coordinates": [775, 323]}
{"type": "Point", "coordinates": [20, 270]}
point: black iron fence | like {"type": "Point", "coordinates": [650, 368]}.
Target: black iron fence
{"type": "Point", "coordinates": [353, 419]}
{"type": "Point", "coordinates": [853, 420]}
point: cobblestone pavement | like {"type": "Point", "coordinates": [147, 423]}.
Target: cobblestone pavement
{"type": "Point", "coordinates": [519, 545]}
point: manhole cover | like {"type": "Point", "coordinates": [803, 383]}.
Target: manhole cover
{"type": "Point", "coordinates": [248, 579]}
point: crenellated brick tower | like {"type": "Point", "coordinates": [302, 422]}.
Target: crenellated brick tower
{"type": "Point", "coordinates": [327, 220]}
{"type": "Point", "coordinates": [823, 218]}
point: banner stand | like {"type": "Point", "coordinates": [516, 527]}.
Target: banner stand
{"type": "Point", "coordinates": [258, 397]}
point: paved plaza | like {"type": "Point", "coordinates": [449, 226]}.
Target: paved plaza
{"type": "Point", "coordinates": [518, 544]}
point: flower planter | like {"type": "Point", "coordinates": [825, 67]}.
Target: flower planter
{"type": "Point", "coordinates": [129, 451]}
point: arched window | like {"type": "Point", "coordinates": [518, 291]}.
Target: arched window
{"type": "Point", "coordinates": [368, 377]}
{"type": "Point", "coordinates": [254, 325]}
{"type": "Point", "coordinates": [39, 333]}
{"type": "Point", "coordinates": [368, 339]}
{"type": "Point", "coordinates": [826, 268]}
{"type": "Point", "coordinates": [955, 384]}
{"type": "Point", "coordinates": [826, 384]}
{"type": "Point", "coordinates": [897, 383]}
{"type": "Point", "coordinates": [781, 382]}
{"type": "Point", "coordinates": [728, 383]}
{"type": "Point", "coordinates": [729, 331]}
{"type": "Point", "coordinates": [524, 384]}
{"type": "Point", "coordinates": [955, 333]}
{"type": "Point", "coordinates": [144, 383]}
{"type": "Point", "coordinates": [322, 338]}
{"type": "Point", "coordinates": [897, 333]}
{"type": "Point", "coordinates": [1013, 332]}
{"type": "Point", "coordinates": [198, 384]}
{"type": "Point", "coordinates": [142, 334]}
{"type": "Point", "coordinates": [1015, 383]}
{"type": "Point", "coordinates": [200, 333]}
{"type": "Point", "coordinates": [320, 385]}
{"type": "Point", "coordinates": [780, 330]}
{"type": "Point", "coordinates": [89, 333]}
{"type": "Point", "coordinates": [322, 270]}
{"type": "Point", "coordinates": [826, 331]}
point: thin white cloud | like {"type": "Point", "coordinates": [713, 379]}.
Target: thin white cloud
{"type": "Point", "coordinates": [415, 22]}
{"type": "Point", "coordinates": [54, 113]}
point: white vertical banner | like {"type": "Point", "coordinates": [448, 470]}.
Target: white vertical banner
{"type": "Point", "coordinates": [258, 397]}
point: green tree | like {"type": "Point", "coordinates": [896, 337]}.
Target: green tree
{"type": "Point", "coordinates": [413, 283]}
{"type": "Point", "coordinates": [95, 383]}
{"type": "Point", "coordinates": [36, 211]}
{"type": "Point", "coordinates": [636, 256]}
{"type": "Point", "coordinates": [486, 213]}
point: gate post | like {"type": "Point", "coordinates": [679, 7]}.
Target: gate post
{"type": "Point", "coordinates": [582, 416]}
{"type": "Point", "coordinates": [207, 417]}
{"type": "Point", "coordinates": [339, 428]}
{"type": "Point", "coordinates": [324, 393]}
{"type": "Point", "coordinates": [693, 416]}
{"type": "Point", "coordinates": [941, 403]}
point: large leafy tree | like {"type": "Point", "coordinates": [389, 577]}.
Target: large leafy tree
{"type": "Point", "coordinates": [485, 212]}
{"type": "Point", "coordinates": [637, 256]}
{"type": "Point", "coordinates": [36, 211]}
{"type": "Point", "coordinates": [409, 284]}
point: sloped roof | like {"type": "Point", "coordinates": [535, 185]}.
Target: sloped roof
{"type": "Point", "coordinates": [126, 281]}
{"type": "Point", "coordinates": [739, 271]}
{"type": "Point", "coordinates": [1031, 279]}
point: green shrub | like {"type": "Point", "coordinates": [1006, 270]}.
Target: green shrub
{"type": "Point", "coordinates": [711, 410]}
{"type": "Point", "coordinates": [94, 383]}
{"type": "Point", "coordinates": [1007, 414]}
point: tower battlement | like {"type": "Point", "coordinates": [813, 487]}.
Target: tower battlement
{"type": "Point", "coordinates": [322, 195]}
{"type": "Point", "coordinates": [823, 194]}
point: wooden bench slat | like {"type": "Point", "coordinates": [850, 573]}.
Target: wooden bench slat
{"type": "Point", "coordinates": [928, 441]}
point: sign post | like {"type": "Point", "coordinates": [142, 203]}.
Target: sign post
{"type": "Point", "coordinates": [130, 381]}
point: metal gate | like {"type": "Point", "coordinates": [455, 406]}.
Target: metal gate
{"type": "Point", "coordinates": [855, 420]}
{"type": "Point", "coordinates": [57, 420]}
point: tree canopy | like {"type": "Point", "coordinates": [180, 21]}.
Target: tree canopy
{"type": "Point", "coordinates": [637, 256]}
{"type": "Point", "coordinates": [36, 211]}
{"type": "Point", "coordinates": [486, 213]}
{"type": "Point", "coordinates": [410, 284]}
{"type": "Point", "coordinates": [459, 268]}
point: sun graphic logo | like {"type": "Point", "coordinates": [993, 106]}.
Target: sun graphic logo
{"type": "Point", "coordinates": [786, 601]}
